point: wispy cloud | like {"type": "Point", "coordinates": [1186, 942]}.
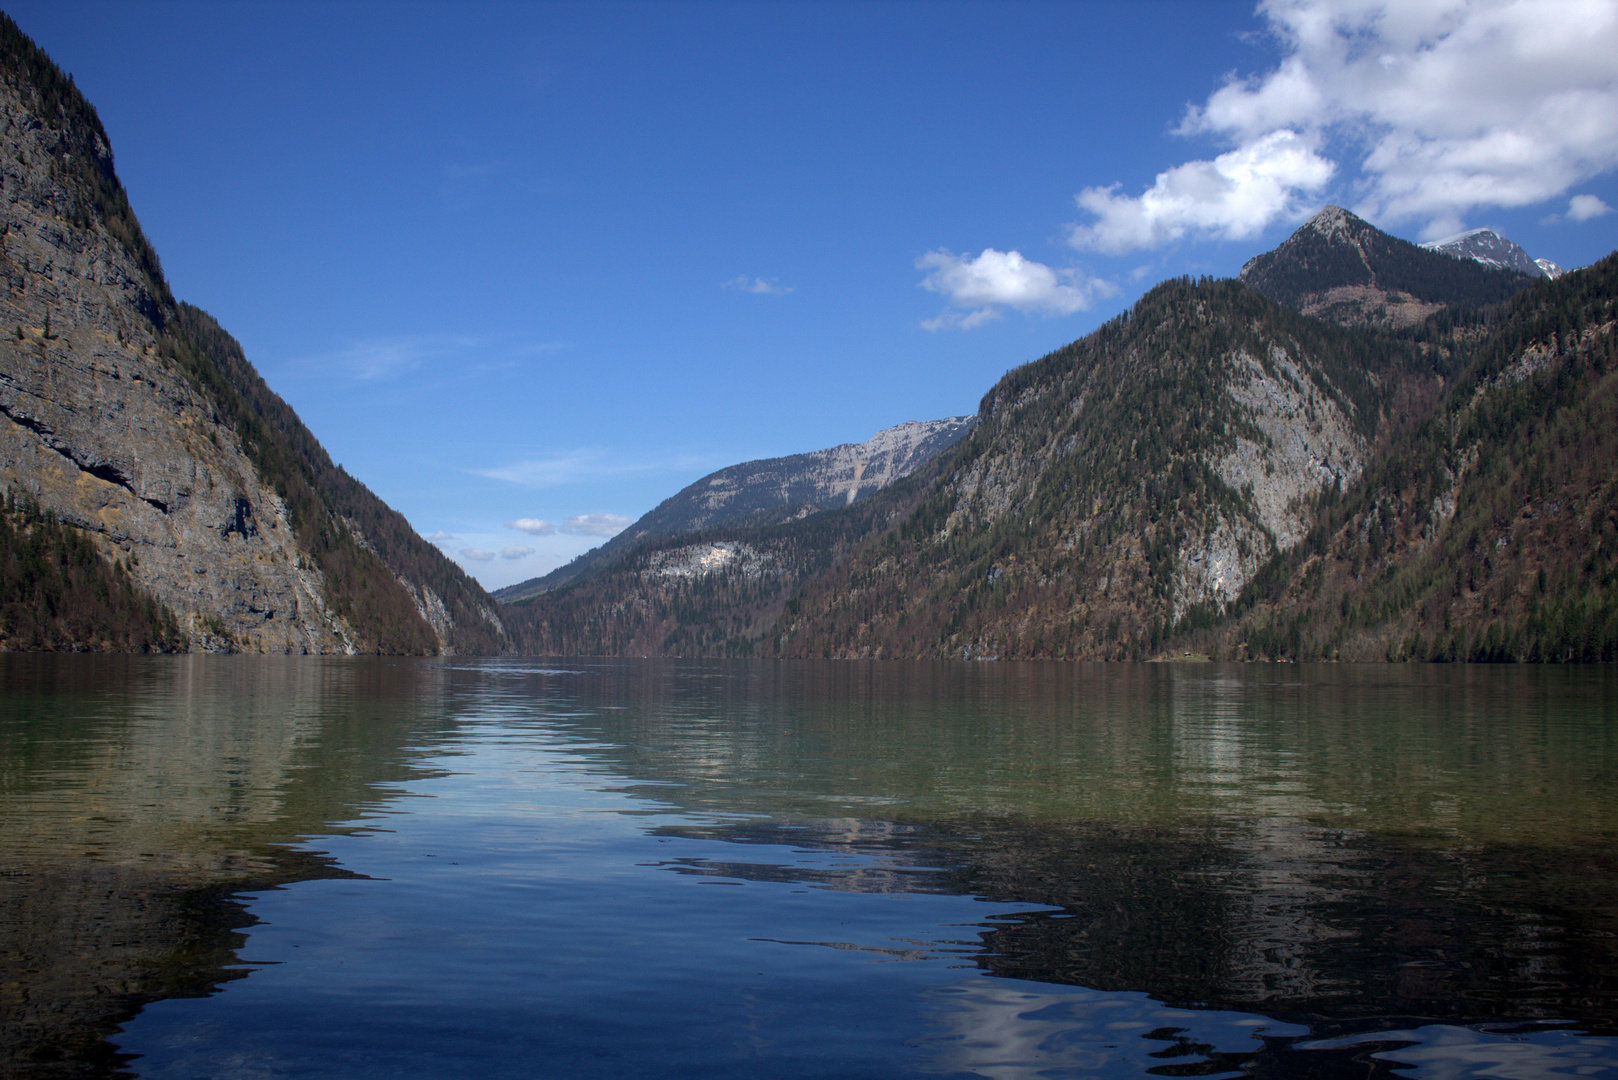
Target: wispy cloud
{"type": "Point", "coordinates": [532, 526]}
{"type": "Point", "coordinates": [440, 536]}
{"type": "Point", "coordinates": [979, 288]}
{"type": "Point", "coordinates": [378, 359]}
{"type": "Point", "coordinates": [515, 551]}
{"type": "Point", "coordinates": [462, 171]}
{"type": "Point", "coordinates": [583, 466]}
{"type": "Point", "coordinates": [758, 286]}
{"type": "Point", "coordinates": [477, 554]}
{"type": "Point", "coordinates": [604, 525]}
{"type": "Point", "coordinates": [1439, 107]}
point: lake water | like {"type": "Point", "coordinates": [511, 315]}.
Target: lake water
{"type": "Point", "coordinates": [294, 867]}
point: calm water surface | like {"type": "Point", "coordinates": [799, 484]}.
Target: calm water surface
{"type": "Point", "coordinates": [238, 867]}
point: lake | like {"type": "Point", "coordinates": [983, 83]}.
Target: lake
{"type": "Point", "coordinates": [310, 867]}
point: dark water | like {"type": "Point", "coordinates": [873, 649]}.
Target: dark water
{"type": "Point", "coordinates": [233, 867]}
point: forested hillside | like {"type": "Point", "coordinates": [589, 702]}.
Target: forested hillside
{"type": "Point", "coordinates": [1490, 531]}
{"type": "Point", "coordinates": [58, 593]}
{"type": "Point", "coordinates": [1343, 269]}
{"type": "Point", "coordinates": [1211, 474]}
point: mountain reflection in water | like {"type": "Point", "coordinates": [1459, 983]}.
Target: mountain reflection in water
{"type": "Point", "coordinates": [1180, 870]}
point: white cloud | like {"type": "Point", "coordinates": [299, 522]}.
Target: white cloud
{"type": "Point", "coordinates": [440, 536]}
{"type": "Point", "coordinates": [603, 525]}
{"type": "Point", "coordinates": [1440, 106]}
{"type": "Point", "coordinates": [756, 285]}
{"type": "Point", "coordinates": [515, 551]}
{"type": "Point", "coordinates": [978, 288]}
{"type": "Point", "coordinates": [1585, 207]}
{"type": "Point", "coordinates": [532, 526]}
{"type": "Point", "coordinates": [1234, 196]}
{"type": "Point", "coordinates": [476, 554]}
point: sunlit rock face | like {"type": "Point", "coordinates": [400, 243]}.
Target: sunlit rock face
{"type": "Point", "coordinates": [831, 477]}
{"type": "Point", "coordinates": [101, 428]}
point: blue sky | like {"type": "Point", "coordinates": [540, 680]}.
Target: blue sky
{"type": "Point", "coordinates": [545, 264]}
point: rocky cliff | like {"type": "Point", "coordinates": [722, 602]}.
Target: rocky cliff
{"type": "Point", "coordinates": [134, 418]}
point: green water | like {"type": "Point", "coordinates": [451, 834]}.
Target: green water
{"type": "Point", "coordinates": [295, 866]}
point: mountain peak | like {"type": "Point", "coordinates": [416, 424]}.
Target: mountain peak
{"type": "Point", "coordinates": [1333, 221]}
{"type": "Point", "coordinates": [1341, 268]}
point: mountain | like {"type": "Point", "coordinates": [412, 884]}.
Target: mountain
{"type": "Point", "coordinates": [1342, 268]}
{"type": "Point", "coordinates": [1212, 473]}
{"type": "Point", "coordinates": [1129, 483]}
{"type": "Point", "coordinates": [1493, 250]}
{"type": "Point", "coordinates": [771, 490]}
{"type": "Point", "coordinates": [133, 423]}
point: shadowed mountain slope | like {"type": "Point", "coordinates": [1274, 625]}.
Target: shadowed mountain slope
{"type": "Point", "coordinates": [1341, 268]}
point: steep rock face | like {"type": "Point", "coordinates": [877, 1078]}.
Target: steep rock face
{"type": "Point", "coordinates": [1341, 268]}
{"type": "Point", "coordinates": [772, 490]}
{"type": "Point", "coordinates": [101, 429]}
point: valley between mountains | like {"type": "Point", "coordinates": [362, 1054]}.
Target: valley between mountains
{"type": "Point", "coordinates": [1360, 449]}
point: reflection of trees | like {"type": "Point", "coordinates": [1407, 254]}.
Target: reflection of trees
{"type": "Point", "coordinates": [1339, 932]}
{"type": "Point", "coordinates": [138, 794]}
{"type": "Point", "coordinates": [1338, 846]}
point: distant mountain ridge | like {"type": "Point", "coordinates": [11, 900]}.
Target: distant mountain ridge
{"type": "Point", "coordinates": [1491, 249]}
{"type": "Point", "coordinates": [773, 490]}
